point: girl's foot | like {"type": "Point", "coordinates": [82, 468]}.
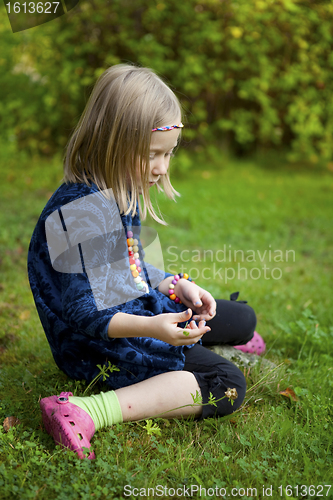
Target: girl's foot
{"type": "Point", "coordinates": [255, 346]}
{"type": "Point", "coordinates": [69, 425]}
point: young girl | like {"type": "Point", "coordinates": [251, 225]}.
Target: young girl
{"type": "Point", "coordinates": [99, 302]}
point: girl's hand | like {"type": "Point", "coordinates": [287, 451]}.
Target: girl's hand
{"type": "Point", "coordinates": [197, 298]}
{"type": "Point", "coordinates": [165, 327]}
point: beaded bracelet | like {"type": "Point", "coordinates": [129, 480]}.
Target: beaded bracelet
{"type": "Point", "coordinates": [177, 277]}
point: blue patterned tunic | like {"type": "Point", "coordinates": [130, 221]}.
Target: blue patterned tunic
{"type": "Point", "coordinates": [76, 321]}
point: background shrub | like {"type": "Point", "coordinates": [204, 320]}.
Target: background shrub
{"type": "Point", "coordinates": [250, 73]}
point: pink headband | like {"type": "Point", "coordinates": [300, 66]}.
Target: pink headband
{"type": "Point", "coordinates": [163, 129]}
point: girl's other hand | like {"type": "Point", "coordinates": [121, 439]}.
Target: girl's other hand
{"type": "Point", "coordinates": [201, 301]}
{"type": "Point", "coordinates": [165, 327]}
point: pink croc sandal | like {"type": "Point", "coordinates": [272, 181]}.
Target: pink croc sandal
{"type": "Point", "coordinates": [69, 425]}
{"type": "Point", "coordinates": [255, 346]}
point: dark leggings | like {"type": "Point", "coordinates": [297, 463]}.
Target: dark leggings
{"type": "Point", "coordinates": [233, 324]}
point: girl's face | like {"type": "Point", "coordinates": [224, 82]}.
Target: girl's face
{"type": "Point", "coordinates": [162, 145]}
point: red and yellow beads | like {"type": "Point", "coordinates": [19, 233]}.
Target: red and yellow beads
{"type": "Point", "coordinates": [133, 254]}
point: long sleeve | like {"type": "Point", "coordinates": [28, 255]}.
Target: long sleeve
{"type": "Point", "coordinates": [81, 278]}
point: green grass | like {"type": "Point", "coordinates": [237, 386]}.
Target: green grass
{"type": "Point", "coordinates": [272, 440]}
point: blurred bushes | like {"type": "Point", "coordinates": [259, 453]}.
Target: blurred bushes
{"type": "Point", "coordinates": [250, 73]}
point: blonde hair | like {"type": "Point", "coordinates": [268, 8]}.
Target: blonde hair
{"type": "Point", "coordinates": [112, 139]}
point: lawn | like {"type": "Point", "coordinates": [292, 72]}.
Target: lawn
{"type": "Point", "coordinates": [261, 228]}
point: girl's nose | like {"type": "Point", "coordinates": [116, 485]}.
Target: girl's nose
{"type": "Point", "coordinates": [160, 166]}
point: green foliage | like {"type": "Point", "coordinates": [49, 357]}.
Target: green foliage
{"type": "Point", "coordinates": [248, 73]}
{"type": "Point", "coordinates": [152, 428]}
{"type": "Point", "coordinates": [103, 374]}
{"type": "Point", "coordinates": [197, 399]}
{"type": "Point", "coordinates": [270, 440]}
{"type": "Point", "coordinates": [306, 335]}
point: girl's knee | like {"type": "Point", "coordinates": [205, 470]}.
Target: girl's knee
{"type": "Point", "coordinates": [249, 322]}
{"type": "Point", "coordinates": [233, 399]}
{"type": "Point", "coordinates": [226, 401]}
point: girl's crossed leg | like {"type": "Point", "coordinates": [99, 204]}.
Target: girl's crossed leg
{"type": "Point", "coordinates": [72, 421]}
{"type": "Point", "coordinates": [204, 371]}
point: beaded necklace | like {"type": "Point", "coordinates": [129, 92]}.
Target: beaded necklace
{"type": "Point", "coordinates": [132, 243]}
{"type": "Point", "coordinates": [134, 260]}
